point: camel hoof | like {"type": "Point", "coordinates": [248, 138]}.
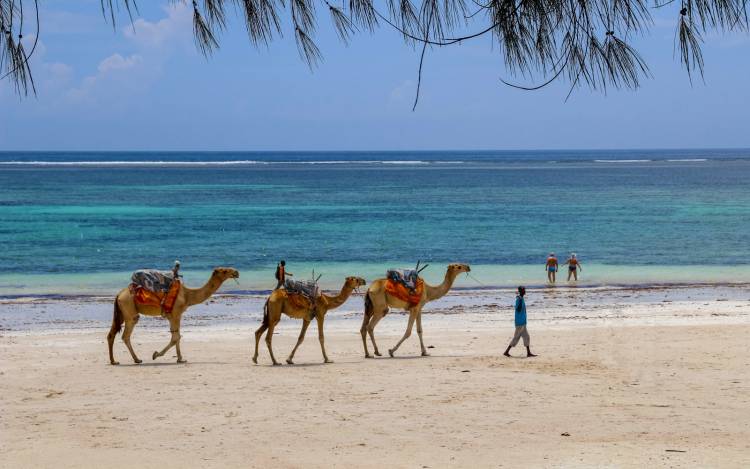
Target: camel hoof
{"type": "Point", "coordinates": [289, 361]}
{"type": "Point", "coordinates": [327, 361]}
{"type": "Point", "coordinates": [276, 364]}
{"type": "Point", "coordinates": [153, 357]}
{"type": "Point", "coordinates": [114, 363]}
{"type": "Point", "coordinates": [181, 360]}
{"type": "Point", "coordinates": [255, 360]}
{"type": "Point", "coordinates": [138, 361]}
{"type": "Point", "coordinates": [425, 354]}
{"type": "Point", "coordinates": [390, 352]}
{"type": "Point", "coordinates": [377, 353]}
{"type": "Point", "coordinates": [368, 356]}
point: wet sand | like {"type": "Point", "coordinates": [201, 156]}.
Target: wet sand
{"type": "Point", "coordinates": [613, 386]}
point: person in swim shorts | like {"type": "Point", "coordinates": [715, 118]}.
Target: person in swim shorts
{"type": "Point", "coordinates": [574, 265]}
{"type": "Point", "coordinates": [551, 267]}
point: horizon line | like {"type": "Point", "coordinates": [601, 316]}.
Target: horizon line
{"type": "Point", "coordinates": [389, 151]}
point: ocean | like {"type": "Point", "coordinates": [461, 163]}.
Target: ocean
{"type": "Point", "coordinates": [78, 223]}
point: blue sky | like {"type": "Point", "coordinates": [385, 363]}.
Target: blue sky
{"type": "Point", "coordinates": [148, 88]}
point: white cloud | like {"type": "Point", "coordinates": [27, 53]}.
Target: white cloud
{"type": "Point", "coordinates": [114, 71]}
{"type": "Point", "coordinates": [118, 62]}
{"type": "Point", "coordinates": [124, 72]}
{"type": "Point", "coordinates": [175, 28]}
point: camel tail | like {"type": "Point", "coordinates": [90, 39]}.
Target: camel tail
{"type": "Point", "coordinates": [117, 320]}
{"type": "Point", "coordinates": [368, 305]}
{"type": "Point", "coordinates": [265, 314]}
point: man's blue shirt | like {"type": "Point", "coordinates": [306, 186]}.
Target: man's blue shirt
{"type": "Point", "coordinates": [520, 311]}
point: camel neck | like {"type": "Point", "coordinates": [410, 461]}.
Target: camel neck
{"type": "Point", "coordinates": [438, 291]}
{"type": "Point", "coordinates": [336, 301]}
{"type": "Point", "coordinates": [195, 296]}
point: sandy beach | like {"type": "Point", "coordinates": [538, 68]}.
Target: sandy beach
{"type": "Point", "coordinates": [627, 384]}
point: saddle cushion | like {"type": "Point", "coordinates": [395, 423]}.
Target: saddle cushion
{"type": "Point", "coordinates": [307, 289]}
{"type": "Point", "coordinates": [400, 291]}
{"type": "Point", "coordinates": [406, 277]}
{"type": "Point", "coordinates": [153, 280]}
{"type": "Point", "coordinates": [154, 288]}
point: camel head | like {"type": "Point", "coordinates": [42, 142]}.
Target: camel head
{"type": "Point", "coordinates": [224, 273]}
{"type": "Point", "coordinates": [456, 269]}
{"type": "Point", "coordinates": [354, 282]}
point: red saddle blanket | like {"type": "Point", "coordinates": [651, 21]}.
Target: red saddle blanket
{"type": "Point", "coordinates": [404, 294]}
{"type": "Point", "coordinates": [165, 301]}
{"type": "Point", "coordinates": [300, 301]}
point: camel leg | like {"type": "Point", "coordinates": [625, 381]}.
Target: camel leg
{"type": "Point", "coordinates": [301, 337]}
{"type": "Point", "coordinates": [177, 346]}
{"type": "Point", "coordinates": [371, 330]}
{"type": "Point", "coordinates": [363, 332]}
{"type": "Point", "coordinates": [172, 342]}
{"type": "Point", "coordinates": [117, 321]}
{"type": "Point", "coordinates": [419, 333]}
{"type": "Point", "coordinates": [110, 344]}
{"type": "Point", "coordinates": [129, 325]}
{"type": "Point", "coordinates": [409, 327]}
{"type": "Point", "coordinates": [322, 339]}
{"type": "Point", "coordinates": [269, 336]}
{"type": "Point", "coordinates": [258, 334]}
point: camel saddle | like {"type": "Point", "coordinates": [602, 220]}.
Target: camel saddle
{"type": "Point", "coordinates": [155, 288]}
{"type": "Point", "coordinates": [302, 294]}
{"type": "Point", "coordinates": [405, 285]}
{"type": "Point", "coordinates": [308, 289]}
{"type": "Point", "coordinates": [406, 277]}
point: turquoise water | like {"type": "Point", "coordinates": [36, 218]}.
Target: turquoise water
{"type": "Point", "coordinates": [79, 223]}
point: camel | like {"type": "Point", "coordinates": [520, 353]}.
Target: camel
{"type": "Point", "coordinates": [377, 302]}
{"type": "Point", "coordinates": [279, 303]}
{"type": "Point", "coordinates": [128, 312]}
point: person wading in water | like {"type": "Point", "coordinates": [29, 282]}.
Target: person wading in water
{"type": "Point", "coordinates": [281, 274]}
{"type": "Point", "coordinates": [551, 267]}
{"type": "Point", "coordinates": [574, 265]}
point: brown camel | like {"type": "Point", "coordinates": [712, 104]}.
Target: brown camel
{"type": "Point", "coordinates": [279, 303]}
{"type": "Point", "coordinates": [377, 302]}
{"type": "Point", "coordinates": [126, 311]}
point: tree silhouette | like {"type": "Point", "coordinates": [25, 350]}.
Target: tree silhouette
{"type": "Point", "coordinates": [585, 42]}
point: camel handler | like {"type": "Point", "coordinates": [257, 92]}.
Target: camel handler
{"type": "Point", "coordinates": [521, 331]}
{"type": "Point", "coordinates": [281, 274]}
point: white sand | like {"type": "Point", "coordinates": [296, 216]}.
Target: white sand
{"type": "Point", "coordinates": [626, 395]}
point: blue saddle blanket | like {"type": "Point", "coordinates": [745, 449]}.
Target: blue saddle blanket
{"type": "Point", "coordinates": [153, 280]}
{"type": "Point", "coordinates": [307, 288]}
{"type": "Point", "coordinates": [406, 277]}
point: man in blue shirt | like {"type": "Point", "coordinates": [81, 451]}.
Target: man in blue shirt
{"type": "Point", "coordinates": [520, 325]}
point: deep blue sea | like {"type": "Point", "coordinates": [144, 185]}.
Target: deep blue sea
{"type": "Point", "coordinates": [80, 222]}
